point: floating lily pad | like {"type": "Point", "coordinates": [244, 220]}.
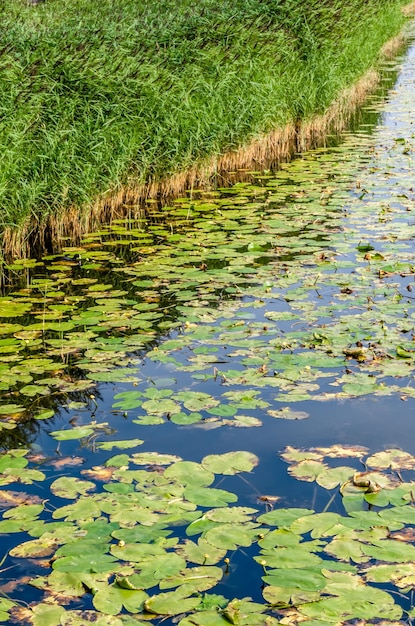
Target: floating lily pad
{"type": "Point", "coordinates": [202, 552]}
{"type": "Point", "coordinates": [112, 599]}
{"type": "Point", "coordinates": [170, 603]}
{"type": "Point", "coordinates": [70, 487]}
{"type": "Point", "coordinates": [77, 432]}
{"type": "Point", "coordinates": [229, 536]}
{"type": "Point", "coordinates": [190, 473]}
{"type": "Point", "coordinates": [209, 497]}
{"type": "Point", "coordinates": [153, 458]}
{"type": "Point", "coordinates": [230, 463]}
{"type": "Point", "coordinates": [11, 409]}
{"type": "Point", "coordinates": [122, 444]}
{"type": "Point", "coordinates": [288, 414]}
{"type": "Point", "coordinates": [92, 563]}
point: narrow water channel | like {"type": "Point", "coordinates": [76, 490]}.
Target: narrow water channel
{"type": "Point", "coordinates": [271, 315]}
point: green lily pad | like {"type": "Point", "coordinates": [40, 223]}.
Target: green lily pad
{"type": "Point", "coordinates": [70, 487]}
{"type": "Point", "coordinates": [231, 515]}
{"type": "Point", "coordinates": [283, 518]}
{"type": "Point", "coordinates": [85, 563]}
{"type": "Point", "coordinates": [154, 458]}
{"type": "Point", "coordinates": [202, 552]}
{"type": "Point", "coordinates": [309, 580]}
{"type": "Point", "coordinates": [229, 536]}
{"type": "Point", "coordinates": [190, 474]}
{"type": "Point", "coordinates": [209, 497]}
{"type": "Point", "coordinates": [230, 462]}
{"type": "Point", "coordinates": [127, 400]}
{"type": "Point", "coordinates": [205, 618]}
{"type": "Point", "coordinates": [194, 579]}
{"type": "Point", "coordinates": [47, 614]}
{"type": "Point", "coordinates": [77, 432]}
{"type": "Point", "coordinates": [113, 598]}
{"type": "Point", "coordinates": [170, 603]}
{"type": "Point", "coordinates": [11, 409]}
{"type": "Point", "coordinates": [121, 444]}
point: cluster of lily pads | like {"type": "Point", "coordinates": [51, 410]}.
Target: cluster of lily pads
{"type": "Point", "coordinates": [146, 536]}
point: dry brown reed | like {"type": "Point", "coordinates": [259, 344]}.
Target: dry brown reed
{"type": "Point", "coordinates": [275, 147]}
{"type": "Point", "coordinates": [409, 9]}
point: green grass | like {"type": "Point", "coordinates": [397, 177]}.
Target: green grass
{"type": "Point", "coordinates": [97, 94]}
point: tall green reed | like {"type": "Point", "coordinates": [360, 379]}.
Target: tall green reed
{"type": "Point", "coordinates": [99, 94]}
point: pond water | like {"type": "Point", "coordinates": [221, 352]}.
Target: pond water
{"type": "Point", "coordinates": [214, 373]}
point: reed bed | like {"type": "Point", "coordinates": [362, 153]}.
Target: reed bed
{"type": "Point", "coordinates": [106, 101]}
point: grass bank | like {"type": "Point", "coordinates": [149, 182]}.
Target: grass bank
{"type": "Point", "coordinates": [99, 98]}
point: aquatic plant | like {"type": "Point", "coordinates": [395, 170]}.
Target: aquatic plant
{"type": "Point", "coordinates": [99, 98]}
{"type": "Point", "coordinates": [124, 546]}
